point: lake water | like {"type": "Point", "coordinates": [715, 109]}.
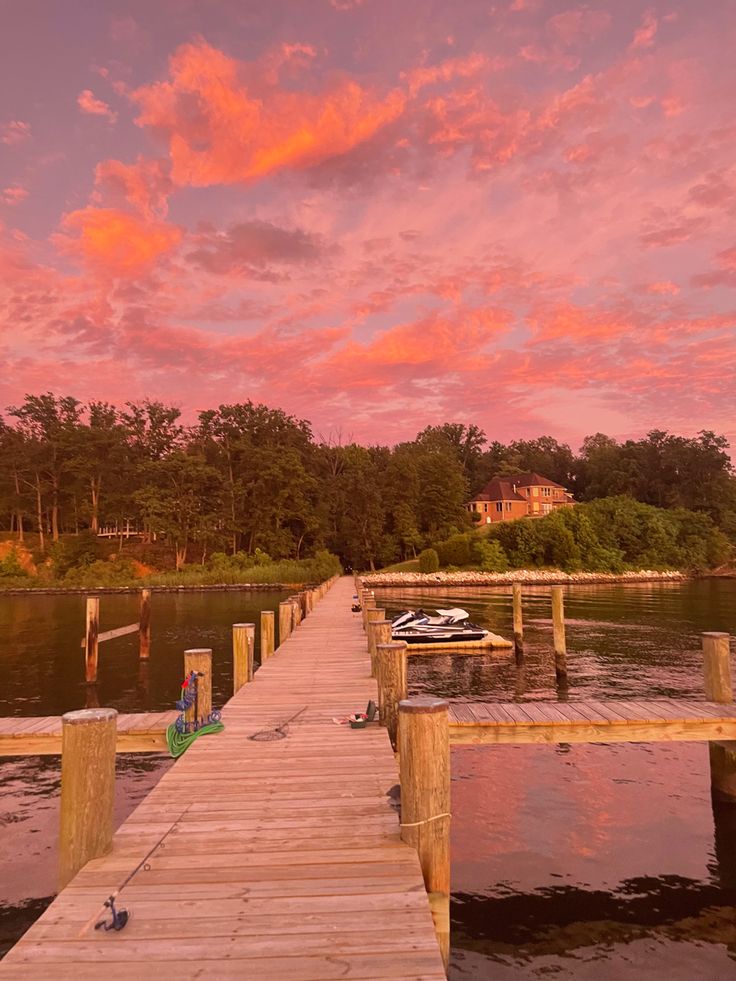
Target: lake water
{"type": "Point", "coordinates": [42, 673]}
{"type": "Point", "coordinates": [582, 862]}
{"type": "Point", "coordinates": [589, 863]}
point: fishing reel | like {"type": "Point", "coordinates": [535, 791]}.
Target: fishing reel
{"type": "Point", "coordinates": [119, 917]}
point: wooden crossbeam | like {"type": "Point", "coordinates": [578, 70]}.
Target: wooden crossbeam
{"type": "Point", "coordinates": [131, 628]}
{"type": "Point", "coordinates": [662, 720]}
{"type": "Point", "coordinates": [141, 732]}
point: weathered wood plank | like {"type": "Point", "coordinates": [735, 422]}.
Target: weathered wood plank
{"type": "Point", "coordinates": [130, 628]}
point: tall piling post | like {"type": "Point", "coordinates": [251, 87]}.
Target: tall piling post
{"type": "Point", "coordinates": [718, 688]}
{"type": "Point", "coordinates": [92, 646]}
{"type": "Point", "coordinates": [285, 617]}
{"type": "Point", "coordinates": [558, 630]}
{"type": "Point", "coordinates": [87, 788]}
{"type": "Point", "coordinates": [518, 622]}
{"type": "Point", "coordinates": [391, 659]}
{"type": "Point", "coordinates": [369, 603]}
{"type": "Point", "coordinates": [296, 612]}
{"type": "Point", "coordinates": [379, 632]}
{"type": "Point", "coordinates": [267, 634]}
{"type": "Point", "coordinates": [199, 660]}
{"type": "Point", "coordinates": [244, 638]}
{"type": "Point", "coordinates": [144, 625]}
{"type": "Point", "coordinates": [424, 766]}
{"type": "Point", "coordinates": [374, 615]}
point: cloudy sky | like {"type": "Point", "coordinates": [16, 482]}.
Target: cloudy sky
{"type": "Point", "coordinates": [375, 214]}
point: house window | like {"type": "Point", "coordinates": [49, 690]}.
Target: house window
{"type": "Point", "coordinates": [508, 505]}
{"type": "Point", "coordinates": [488, 520]}
{"type": "Point", "coordinates": [499, 505]}
{"type": "Point", "coordinates": [535, 491]}
{"type": "Point", "coordinates": [546, 508]}
{"type": "Point", "coordinates": [485, 508]}
{"type": "Point", "coordinates": [546, 491]}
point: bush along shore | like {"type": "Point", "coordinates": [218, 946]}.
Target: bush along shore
{"type": "Point", "coordinates": [74, 570]}
{"type": "Point", "coordinates": [530, 577]}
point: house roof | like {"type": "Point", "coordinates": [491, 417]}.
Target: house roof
{"type": "Point", "coordinates": [533, 479]}
{"type": "Point", "coordinates": [503, 488]}
{"type": "Point", "coordinates": [499, 489]}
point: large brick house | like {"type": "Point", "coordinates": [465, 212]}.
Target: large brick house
{"type": "Point", "coordinates": [523, 495]}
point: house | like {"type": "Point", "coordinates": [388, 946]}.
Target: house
{"type": "Point", "coordinates": [523, 495]}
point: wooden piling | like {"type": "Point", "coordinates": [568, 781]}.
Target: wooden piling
{"type": "Point", "coordinates": [267, 634]}
{"type": "Point", "coordinates": [391, 663]}
{"type": "Point", "coordinates": [199, 660]}
{"type": "Point", "coordinates": [424, 766]}
{"type": "Point", "coordinates": [296, 612]}
{"type": "Point", "coordinates": [558, 629]}
{"type": "Point", "coordinates": [717, 667]}
{"type": "Point", "coordinates": [92, 647]}
{"type": "Point", "coordinates": [285, 616]}
{"type": "Point", "coordinates": [379, 632]}
{"type": "Point", "coordinates": [87, 788]}
{"type": "Point", "coordinates": [144, 625]}
{"type": "Point", "coordinates": [369, 603]}
{"type": "Point", "coordinates": [244, 635]}
{"type": "Point", "coordinates": [718, 688]}
{"type": "Point", "coordinates": [518, 622]}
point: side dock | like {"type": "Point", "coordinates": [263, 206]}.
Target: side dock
{"type": "Point", "coordinates": [264, 859]}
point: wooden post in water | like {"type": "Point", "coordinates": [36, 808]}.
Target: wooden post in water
{"type": "Point", "coordinates": [391, 659]}
{"type": "Point", "coordinates": [369, 603]}
{"type": "Point", "coordinates": [374, 614]}
{"type": "Point", "coordinates": [267, 634]}
{"type": "Point", "coordinates": [558, 630]}
{"type": "Point", "coordinates": [296, 612]}
{"type": "Point", "coordinates": [284, 620]}
{"type": "Point", "coordinates": [144, 625]}
{"type": "Point", "coordinates": [92, 647]}
{"type": "Point", "coordinates": [518, 622]}
{"type": "Point", "coordinates": [243, 650]}
{"type": "Point", "coordinates": [199, 660]}
{"type": "Point", "coordinates": [424, 766]}
{"type": "Point", "coordinates": [379, 632]}
{"type": "Point", "coordinates": [87, 788]}
{"type": "Point", "coordinates": [718, 688]}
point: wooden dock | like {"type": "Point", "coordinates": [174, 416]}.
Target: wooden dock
{"type": "Point", "coordinates": [661, 720]}
{"type": "Point", "coordinates": [259, 859]}
{"type": "Point", "coordinates": [142, 732]}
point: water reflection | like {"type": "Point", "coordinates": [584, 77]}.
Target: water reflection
{"type": "Point", "coordinates": [42, 668]}
{"type": "Point", "coordinates": [588, 863]}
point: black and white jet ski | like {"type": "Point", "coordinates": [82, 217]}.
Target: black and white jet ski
{"type": "Point", "coordinates": [447, 627]}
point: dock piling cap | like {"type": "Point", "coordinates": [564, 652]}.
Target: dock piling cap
{"type": "Point", "coordinates": [423, 703]}
{"type": "Point", "coordinates": [86, 716]}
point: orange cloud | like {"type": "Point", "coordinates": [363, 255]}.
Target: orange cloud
{"type": "Point", "coordinates": [116, 242]}
{"type": "Point", "coordinates": [93, 106]}
{"type": "Point", "coordinates": [146, 185]}
{"type": "Point", "coordinates": [446, 71]}
{"type": "Point", "coordinates": [646, 32]}
{"type": "Point", "coordinates": [226, 123]}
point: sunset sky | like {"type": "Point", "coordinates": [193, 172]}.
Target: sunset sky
{"type": "Point", "coordinates": [374, 214]}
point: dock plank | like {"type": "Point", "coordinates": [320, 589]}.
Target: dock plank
{"type": "Point", "coordinates": [271, 860]}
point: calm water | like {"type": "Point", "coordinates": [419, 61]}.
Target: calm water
{"type": "Point", "coordinates": [42, 669]}
{"type": "Point", "coordinates": [589, 863]}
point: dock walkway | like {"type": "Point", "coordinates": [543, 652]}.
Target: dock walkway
{"type": "Point", "coordinates": [259, 859]}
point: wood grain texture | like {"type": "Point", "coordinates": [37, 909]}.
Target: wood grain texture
{"type": "Point", "coordinates": [271, 860]}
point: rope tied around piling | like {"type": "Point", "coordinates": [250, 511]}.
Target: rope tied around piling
{"type": "Point", "coordinates": [416, 824]}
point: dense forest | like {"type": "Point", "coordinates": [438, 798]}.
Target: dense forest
{"type": "Point", "coordinates": [248, 479]}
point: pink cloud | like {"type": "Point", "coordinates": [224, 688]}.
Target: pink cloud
{"type": "Point", "coordinates": [647, 30]}
{"type": "Point", "coordinates": [145, 185]}
{"type": "Point", "coordinates": [13, 194]}
{"type": "Point", "coordinates": [571, 27]}
{"type": "Point", "coordinates": [93, 106]}
{"type": "Point", "coordinates": [14, 132]}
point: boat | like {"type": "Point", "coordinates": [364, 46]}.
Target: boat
{"type": "Point", "coordinates": [445, 627]}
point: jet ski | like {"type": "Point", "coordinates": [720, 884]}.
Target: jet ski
{"type": "Point", "coordinates": [445, 627]}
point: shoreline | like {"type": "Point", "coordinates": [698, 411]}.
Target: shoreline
{"type": "Point", "coordinates": [524, 577]}
{"type": "Point", "coordinates": [276, 587]}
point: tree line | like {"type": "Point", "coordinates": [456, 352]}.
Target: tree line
{"type": "Point", "coordinates": [247, 477]}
